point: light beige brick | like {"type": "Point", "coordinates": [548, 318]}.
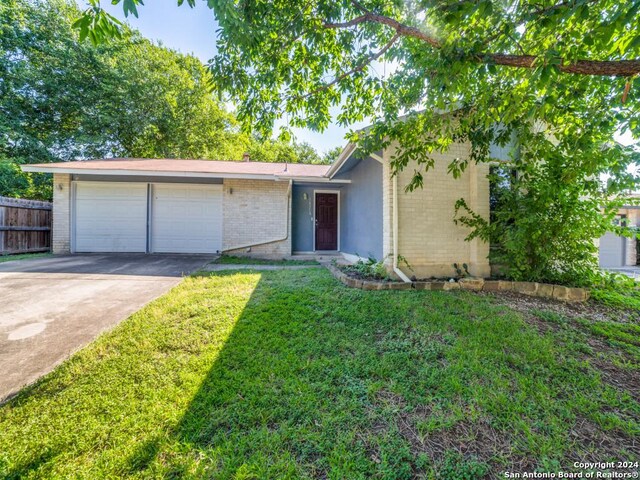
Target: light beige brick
{"type": "Point", "coordinates": [427, 235]}
{"type": "Point", "coordinates": [255, 212]}
{"type": "Point", "coordinates": [633, 220]}
{"type": "Point", "coordinates": [61, 222]}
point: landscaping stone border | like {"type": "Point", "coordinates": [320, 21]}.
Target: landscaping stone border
{"type": "Point", "coordinates": [534, 289]}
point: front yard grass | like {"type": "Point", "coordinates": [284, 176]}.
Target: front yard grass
{"type": "Point", "coordinates": [623, 298]}
{"type": "Point", "coordinates": [289, 374]}
{"type": "Point", "coordinates": [234, 260]}
{"type": "Point", "coordinates": [23, 256]}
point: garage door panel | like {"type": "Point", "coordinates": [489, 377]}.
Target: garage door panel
{"type": "Point", "coordinates": [611, 250]}
{"type": "Point", "coordinates": [186, 218]}
{"type": "Point", "coordinates": [110, 217]}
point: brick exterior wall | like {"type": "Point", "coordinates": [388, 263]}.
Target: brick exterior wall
{"type": "Point", "coordinates": [61, 222]}
{"type": "Point", "coordinates": [427, 236]}
{"type": "Point", "coordinates": [256, 211]}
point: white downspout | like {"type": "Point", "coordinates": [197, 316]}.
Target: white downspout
{"type": "Point", "coordinates": [273, 240]}
{"type": "Point", "coordinates": [396, 269]}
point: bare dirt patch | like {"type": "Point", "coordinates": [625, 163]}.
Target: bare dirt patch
{"type": "Point", "coordinates": [589, 310]}
{"type": "Point", "coordinates": [598, 444]}
{"type": "Point", "coordinates": [624, 379]}
{"type": "Point", "coordinates": [481, 441]}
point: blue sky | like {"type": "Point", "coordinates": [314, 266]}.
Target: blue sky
{"type": "Point", "coordinates": [193, 30]}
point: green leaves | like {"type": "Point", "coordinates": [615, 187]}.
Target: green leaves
{"type": "Point", "coordinates": [548, 206]}
{"type": "Point", "coordinates": [66, 99]}
{"type": "Point", "coordinates": [98, 25]}
{"type": "Point", "coordinates": [130, 6]}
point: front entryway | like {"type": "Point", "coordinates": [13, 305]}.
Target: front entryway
{"type": "Point", "coordinates": [326, 216]}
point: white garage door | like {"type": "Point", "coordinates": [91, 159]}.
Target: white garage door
{"type": "Point", "coordinates": [110, 217]}
{"type": "Point", "coordinates": [611, 250]}
{"type": "Point", "coordinates": [186, 218]}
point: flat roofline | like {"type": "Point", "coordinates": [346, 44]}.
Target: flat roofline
{"type": "Point", "coordinates": [181, 174]}
{"type": "Point", "coordinates": [299, 179]}
{"type": "Point", "coordinates": [140, 173]}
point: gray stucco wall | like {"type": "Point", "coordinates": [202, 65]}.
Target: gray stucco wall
{"type": "Point", "coordinates": [361, 211]}
{"type": "Point", "coordinates": [302, 218]}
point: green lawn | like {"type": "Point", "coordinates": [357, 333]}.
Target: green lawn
{"type": "Point", "coordinates": [627, 297]}
{"type": "Point", "coordinates": [23, 256]}
{"type": "Point", "coordinates": [233, 260]}
{"type": "Point", "coordinates": [289, 374]}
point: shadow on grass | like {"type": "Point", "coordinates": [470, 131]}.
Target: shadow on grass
{"type": "Point", "coordinates": [292, 391]}
{"type": "Point", "coordinates": [34, 465]}
{"type": "Point", "coordinates": [320, 380]}
{"type": "Point", "coordinates": [143, 456]}
{"type": "Point", "coordinates": [289, 374]}
{"type": "Point", "coordinates": [282, 371]}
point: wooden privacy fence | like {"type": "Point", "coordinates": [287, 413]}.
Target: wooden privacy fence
{"type": "Point", "coordinates": [25, 226]}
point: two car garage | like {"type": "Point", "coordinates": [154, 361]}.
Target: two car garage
{"type": "Point", "coordinates": [146, 217]}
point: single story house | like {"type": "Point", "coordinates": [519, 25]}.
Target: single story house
{"type": "Point", "coordinates": [354, 207]}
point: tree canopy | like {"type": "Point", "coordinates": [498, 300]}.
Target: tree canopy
{"type": "Point", "coordinates": [66, 99]}
{"type": "Point", "coordinates": [570, 65]}
{"type": "Point", "coordinates": [300, 57]}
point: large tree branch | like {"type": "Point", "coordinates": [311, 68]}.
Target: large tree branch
{"type": "Point", "coordinates": [350, 23]}
{"type": "Point", "coordinates": [400, 28]}
{"type": "Point", "coordinates": [614, 68]}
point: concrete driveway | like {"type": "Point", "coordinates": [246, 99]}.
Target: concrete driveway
{"type": "Point", "coordinates": [53, 306]}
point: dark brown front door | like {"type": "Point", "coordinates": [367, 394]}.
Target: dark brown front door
{"type": "Point", "coordinates": [326, 221]}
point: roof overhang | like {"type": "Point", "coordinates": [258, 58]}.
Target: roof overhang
{"type": "Point", "coordinates": [342, 158]}
{"type": "Point", "coordinates": [180, 174]}
{"type": "Point", "coordinates": [144, 173]}
{"type": "Point", "coordinates": [313, 179]}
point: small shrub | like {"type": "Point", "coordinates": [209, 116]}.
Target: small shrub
{"type": "Point", "coordinates": [461, 270]}
{"type": "Point", "coordinates": [370, 269]}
